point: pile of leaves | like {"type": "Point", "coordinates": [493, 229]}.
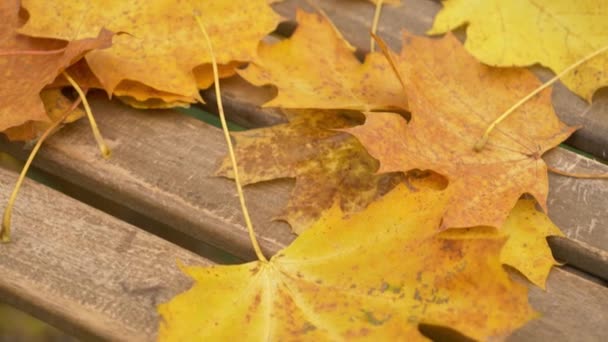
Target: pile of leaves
{"type": "Point", "coordinates": [400, 220]}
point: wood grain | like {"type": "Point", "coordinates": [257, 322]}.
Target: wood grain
{"type": "Point", "coordinates": [569, 303]}
{"type": "Point", "coordinates": [163, 164]}
{"type": "Point", "coordinates": [97, 277]}
{"type": "Point", "coordinates": [84, 271]}
{"type": "Point", "coordinates": [353, 19]}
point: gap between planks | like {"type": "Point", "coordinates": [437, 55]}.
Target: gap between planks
{"type": "Point", "coordinates": [97, 277]}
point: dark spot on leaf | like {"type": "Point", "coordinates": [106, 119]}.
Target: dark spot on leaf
{"type": "Point", "coordinates": [372, 319]}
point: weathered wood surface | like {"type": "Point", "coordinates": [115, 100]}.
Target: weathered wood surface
{"type": "Point", "coordinates": [163, 164]}
{"type": "Point", "coordinates": [556, 324]}
{"type": "Point", "coordinates": [84, 271]}
{"type": "Point", "coordinates": [353, 19]}
{"type": "Point", "coordinates": [95, 276]}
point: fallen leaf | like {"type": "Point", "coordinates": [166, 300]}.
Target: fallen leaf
{"type": "Point", "coordinates": [55, 104]}
{"type": "Point", "coordinates": [163, 45]}
{"type": "Point", "coordinates": [554, 33]}
{"type": "Point", "coordinates": [327, 165]}
{"type": "Point", "coordinates": [526, 249]}
{"type": "Point", "coordinates": [139, 95]}
{"type": "Point", "coordinates": [315, 68]}
{"type": "Point", "coordinates": [372, 276]}
{"type": "Point", "coordinates": [452, 104]}
{"type": "Point", "coordinates": [26, 70]}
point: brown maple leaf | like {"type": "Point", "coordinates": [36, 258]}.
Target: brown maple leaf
{"type": "Point", "coordinates": [327, 165]}
{"type": "Point", "coordinates": [27, 65]}
{"type": "Point", "coordinates": [453, 98]}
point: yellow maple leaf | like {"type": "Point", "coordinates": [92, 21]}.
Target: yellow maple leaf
{"type": "Point", "coordinates": [373, 275]}
{"type": "Point", "coordinates": [315, 68]}
{"type": "Point", "coordinates": [554, 33]}
{"type": "Point", "coordinates": [526, 249]}
{"type": "Point", "coordinates": [163, 45]}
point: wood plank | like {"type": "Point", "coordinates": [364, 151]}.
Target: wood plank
{"type": "Point", "coordinates": [569, 303]}
{"type": "Point", "coordinates": [162, 167]}
{"type": "Point", "coordinates": [353, 19]}
{"type": "Point", "coordinates": [97, 277]}
{"type": "Point", "coordinates": [163, 162]}
{"type": "Point", "coordinates": [84, 271]}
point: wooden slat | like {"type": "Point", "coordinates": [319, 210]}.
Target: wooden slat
{"type": "Point", "coordinates": [353, 19]}
{"type": "Point", "coordinates": [569, 303]}
{"type": "Point", "coordinates": [95, 276]}
{"type": "Point", "coordinates": [83, 270]}
{"type": "Point", "coordinates": [162, 167]}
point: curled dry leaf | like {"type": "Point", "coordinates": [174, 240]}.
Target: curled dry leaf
{"type": "Point", "coordinates": [372, 276]}
{"type": "Point", "coordinates": [329, 166]}
{"type": "Point", "coordinates": [452, 104]}
{"type": "Point", "coordinates": [26, 69]}
{"type": "Point", "coordinates": [554, 33]}
{"type": "Point", "coordinates": [315, 68]}
{"type": "Point", "coordinates": [162, 46]}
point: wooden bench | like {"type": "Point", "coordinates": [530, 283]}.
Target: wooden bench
{"type": "Point", "coordinates": [95, 275]}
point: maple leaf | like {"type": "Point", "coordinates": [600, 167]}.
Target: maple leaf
{"type": "Point", "coordinates": [452, 104]}
{"type": "Point", "coordinates": [526, 249]}
{"type": "Point", "coordinates": [315, 68]}
{"type": "Point", "coordinates": [555, 34]}
{"type": "Point", "coordinates": [375, 275]}
{"type": "Point", "coordinates": [139, 95]}
{"type": "Point", "coordinates": [163, 47]}
{"type": "Point", "coordinates": [55, 105]}
{"type": "Point", "coordinates": [28, 65]}
{"type": "Point", "coordinates": [327, 165]}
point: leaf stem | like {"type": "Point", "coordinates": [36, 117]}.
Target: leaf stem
{"type": "Point", "coordinates": [389, 57]}
{"type": "Point", "coordinates": [481, 143]}
{"type": "Point", "coordinates": [375, 25]}
{"type": "Point", "coordinates": [220, 106]}
{"type": "Point", "coordinates": [103, 147]}
{"type": "Point", "coordinates": [5, 231]}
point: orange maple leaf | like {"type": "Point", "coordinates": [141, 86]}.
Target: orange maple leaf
{"type": "Point", "coordinates": [27, 65]}
{"type": "Point", "coordinates": [453, 98]}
